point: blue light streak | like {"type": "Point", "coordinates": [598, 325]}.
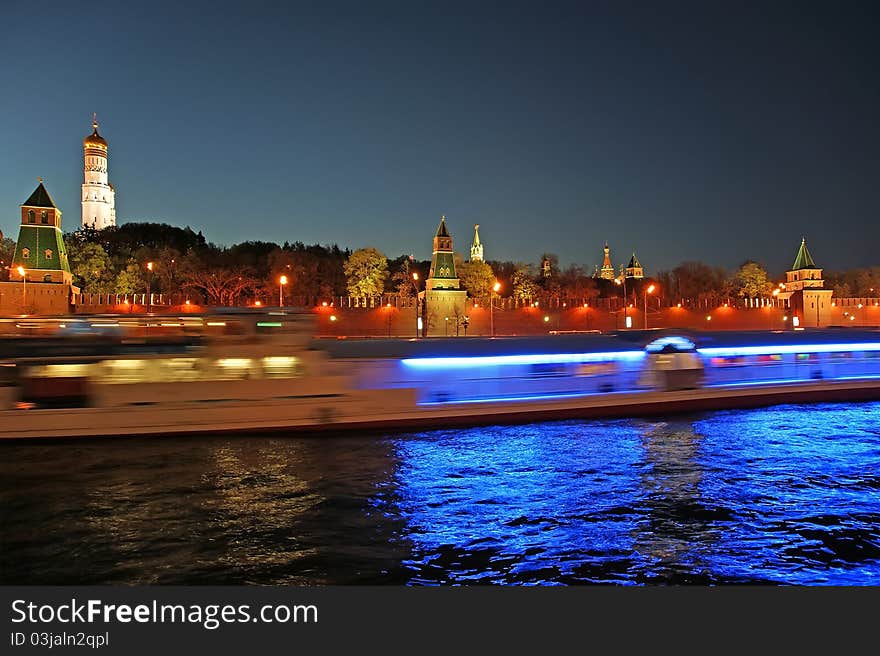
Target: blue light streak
{"type": "Point", "coordinates": [529, 397]}
{"type": "Point", "coordinates": [724, 351]}
{"type": "Point", "coordinates": [681, 343]}
{"type": "Point", "coordinates": [503, 360]}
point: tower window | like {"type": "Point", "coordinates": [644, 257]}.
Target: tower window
{"type": "Point", "coordinates": [25, 253]}
{"type": "Point", "coordinates": [31, 216]}
{"type": "Point", "coordinates": [44, 217]}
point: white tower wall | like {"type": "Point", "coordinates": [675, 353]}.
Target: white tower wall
{"type": "Point", "coordinates": [98, 195]}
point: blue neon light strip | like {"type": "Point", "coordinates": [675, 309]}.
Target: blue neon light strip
{"type": "Point", "coordinates": [530, 397]}
{"type": "Point", "coordinates": [787, 348]}
{"type": "Point", "coordinates": [540, 358]}
{"type": "Point", "coordinates": [681, 343]}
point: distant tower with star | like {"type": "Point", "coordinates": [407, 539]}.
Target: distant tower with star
{"type": "Point", "coordinates": [98, 195]}
{"type": "Point", "coordinates": [607, 270]}
{"type": "Point", "coordinates": [805, 292]}
{"type": "Point", "coordinates": [477, 248]}
{"type": "Point", "coordinates": [445, 302]}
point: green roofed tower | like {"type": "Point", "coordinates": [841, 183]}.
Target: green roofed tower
{"type": "Point", "coordinates": [804, 260]}
{"type": "Point", "coordinates": [442, 275]}
{"type": "Point", "coordinates": [444, 308]}
{"type": "Point", "coordinates": [40, 250]}
{"type": "Point", "coordinates": [804, 293]}
{"type": "Point", "coordinates": [634, 268]}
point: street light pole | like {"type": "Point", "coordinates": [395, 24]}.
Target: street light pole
{"type": "Point", "coordinates": [415, 284]}
{"type": "Point", "coordinates": [772, 307]}
{"type": "Point", "coordinates": [23, 274]}
{"type": "Point", "coordinates": [495, 288]}
{"type": "Point", "coordinates": [649, 290]}
{"type": "Point", "coordinates": [149, 280]}
{"type": "Point", "coordinates": [622, 281]}
{"type": "Point", "coordinates": [281, 282]}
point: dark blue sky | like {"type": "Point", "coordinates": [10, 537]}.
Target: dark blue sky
{"type": "Point", "coordinates": [681, 131]}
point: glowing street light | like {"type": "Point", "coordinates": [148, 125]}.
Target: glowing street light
{"type": "Point", "coordinates": [149, 281]}
{"type": "Point", "coordinates": [23, 274]}
{"type": "Point", "coordinates": [281, 282]}
{"type": "Point", "coordinates": [495, 289]}
{"type": "Point", "coordinates": [415, 284]}
{"type": "Point", "coordinates": [622, 281]}
{"type": "Point", "coordinates": [649, 290]}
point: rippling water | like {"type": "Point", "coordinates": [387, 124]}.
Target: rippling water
{"type": "Point", "coordinates": [789, 494]}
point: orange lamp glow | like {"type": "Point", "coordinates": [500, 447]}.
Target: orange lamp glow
{"type": "Point", "coordinates": [496, 287]}
{"type": "Point", "coordinates": [650, 289]}
{"type": "Point", "coordinates": [283, 280]}
{"type": "Point", "coordinates": [149, 266]}
{"type": "Point", "coordinates": [21, 271]}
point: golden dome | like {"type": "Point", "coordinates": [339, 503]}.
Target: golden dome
{"type": "Point", "coordinates": [95, 139]}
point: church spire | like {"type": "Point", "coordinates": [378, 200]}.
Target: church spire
{"type": "Point", "coordinates": [477, 248]}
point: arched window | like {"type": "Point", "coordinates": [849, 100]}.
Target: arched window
{"type": "Point", "coordinates": [31, 216]}
{"type": "Point", "coordinates": [44, 217]}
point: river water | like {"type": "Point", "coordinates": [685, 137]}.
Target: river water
{"type": "Point", "coordinates": [789, 494]}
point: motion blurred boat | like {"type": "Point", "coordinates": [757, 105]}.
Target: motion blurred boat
{"type": "Point", "coordinates": [246, 372]}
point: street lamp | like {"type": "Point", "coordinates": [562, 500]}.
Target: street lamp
{"type": "Point", "coordinates": [23, 275]}
{"type": "Point", "coordinates": [649, 290]}
{"type": "Point", "coordinates": [495, 289]}
{"type": "Point", "coordinates": [149, 280]}
{"type": "Point", "coordinates": [281, 282]}
{"type": "Point", "coordinates": [415, 284]}
{"type": "Point", "coordinates": [618, 281]}
{"type": "Point", "coordinates": [775, 294]}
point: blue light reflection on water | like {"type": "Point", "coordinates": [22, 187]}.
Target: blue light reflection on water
{"type": "Point", "coordinates": [779, 495]}
{"type": "Point", "coordinates": [789, 494]}
{"type": "Point", "coordinates": [495, 504]}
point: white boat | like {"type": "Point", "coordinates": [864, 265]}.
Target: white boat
{"type": "Point", "coordinates": [250, 372]}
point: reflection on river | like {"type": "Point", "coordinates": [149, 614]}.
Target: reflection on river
{"type": "Point", "coordinates": [789, 494]}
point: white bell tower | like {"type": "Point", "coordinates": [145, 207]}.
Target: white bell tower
{"type": "Point", "coordinates": [98, 195]}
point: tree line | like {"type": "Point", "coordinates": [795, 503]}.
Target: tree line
{"type": "Point", "coordinates": [115, 260]}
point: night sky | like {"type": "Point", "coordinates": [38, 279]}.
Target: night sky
{"type": "Point", "coordinates": [682, 131]}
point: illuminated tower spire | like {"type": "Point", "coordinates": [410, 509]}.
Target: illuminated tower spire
{"type": "Point", "coordinates": [607, 271]}
{"type": "Point", "coordinates": [98, 195]}
{"type": "Point", "coordinates": [477, 248]}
